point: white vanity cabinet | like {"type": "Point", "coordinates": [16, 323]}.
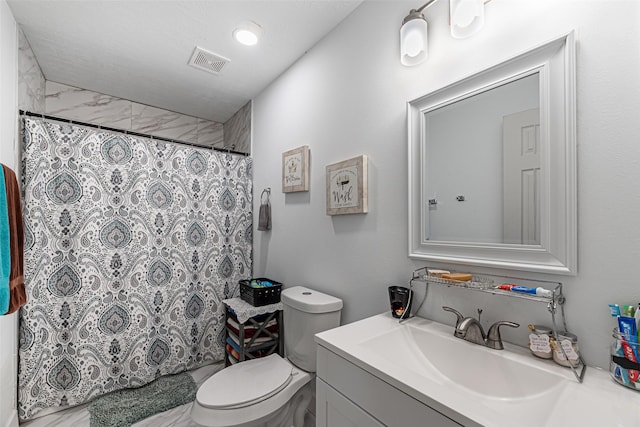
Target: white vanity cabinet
{"type": "Point", "coordinates": [347, 395]}
{"type": "Point", "coordinates": [333, 409]}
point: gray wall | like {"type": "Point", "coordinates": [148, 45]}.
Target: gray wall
{"type": "Point", "coordinates": [348, 97]}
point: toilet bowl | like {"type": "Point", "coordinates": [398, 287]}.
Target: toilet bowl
{"type": "Point", "coordinates": [272, 391]}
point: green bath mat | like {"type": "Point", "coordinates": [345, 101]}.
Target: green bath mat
{"type": "Point", "coordinates": [122, 408]}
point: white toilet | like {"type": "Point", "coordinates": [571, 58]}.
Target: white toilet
{"type": "Point", "coordinates": [272, 391]}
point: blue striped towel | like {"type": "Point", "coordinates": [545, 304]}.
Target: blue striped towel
{"type": "Point", "coordinates": [5, 248]}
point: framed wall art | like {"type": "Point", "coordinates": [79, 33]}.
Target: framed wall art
{"type": "Point", "coordinates": [295, 170]}
{"type": "Point", "coordinates": [347, 187]}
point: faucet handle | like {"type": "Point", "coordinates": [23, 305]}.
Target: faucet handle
{"type": "Point", "coordinates": [494, 340]}
{"type": "Point", "coordinates": [459, 315]}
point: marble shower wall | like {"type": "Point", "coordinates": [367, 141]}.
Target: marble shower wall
{"type": "Point", "coordinates": [31, 82]}
{"type": "Point", "coordinates": [237, 130]}
{"type": "Point", "coordinates": [96, 108]}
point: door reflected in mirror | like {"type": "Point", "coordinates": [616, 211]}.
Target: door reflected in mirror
{"type": "Point", "coordinates": [483, 165]}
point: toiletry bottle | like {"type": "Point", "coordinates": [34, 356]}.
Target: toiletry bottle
{"type": "Point", "coordinates": [628, 310]}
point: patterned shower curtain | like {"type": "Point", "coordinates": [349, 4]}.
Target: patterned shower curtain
{"type": "Point", "coordinates": [130, 246]}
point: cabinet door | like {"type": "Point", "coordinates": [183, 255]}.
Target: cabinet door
{"type": "Point", "coordinates": [386, 404]}
{"type": "Point", "coordinates": [333, 410]}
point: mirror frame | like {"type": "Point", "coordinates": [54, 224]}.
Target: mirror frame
{"type": "Point", "coordinates": [557, 253]}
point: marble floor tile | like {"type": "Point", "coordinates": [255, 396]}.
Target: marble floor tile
{"type": "Point", "coordinates": [179, 416]}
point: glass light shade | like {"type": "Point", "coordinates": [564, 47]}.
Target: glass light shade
{"type": "Point", "coordinates": [248, 33]}
{"type": "Point", "coordinates": [413, 42]}
{"type": "Point", "coordinates": [467, 17]}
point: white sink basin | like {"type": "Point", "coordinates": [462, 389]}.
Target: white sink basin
{"type": "Point", "coordinates": [439, 356]}
{"type": "Point", "coordinates": [471, 384]}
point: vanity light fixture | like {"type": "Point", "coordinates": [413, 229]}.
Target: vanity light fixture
{"type": "Point", "coordinates": [248, 33]}
{"type": "Point", "coordinates": [466, 19]}
{"type": "Point", "coordinates": [413, 37]}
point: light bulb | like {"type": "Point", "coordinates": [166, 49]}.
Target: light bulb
{"type": "Point", "coordinates": [245, 37]}
{"type": "Point", "coordinates": [248, 33]}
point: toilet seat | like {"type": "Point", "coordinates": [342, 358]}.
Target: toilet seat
{"type": "Point", "coordinates": [248, 413]}
{"type": "Point", "coordinates": [245, 383]}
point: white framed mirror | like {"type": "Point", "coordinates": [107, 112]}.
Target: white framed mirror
{"type": "Point", "coordinates": [492, 166]}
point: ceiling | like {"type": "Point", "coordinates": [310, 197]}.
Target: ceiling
{"type": "Point", "coordinates": [139, 49]}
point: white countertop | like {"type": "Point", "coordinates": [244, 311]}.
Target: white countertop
{"type": "Point", "coordinates": [597, 401]}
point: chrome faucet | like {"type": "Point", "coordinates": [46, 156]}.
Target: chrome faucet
{"type": "Point", "coordinates": [470, 329]}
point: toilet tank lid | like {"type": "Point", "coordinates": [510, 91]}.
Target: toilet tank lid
{"type": "Point", "coordinates": [310, 301]}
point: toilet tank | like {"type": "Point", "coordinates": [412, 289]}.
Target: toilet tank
{"type": "Point", "coordinates": [307, 312]}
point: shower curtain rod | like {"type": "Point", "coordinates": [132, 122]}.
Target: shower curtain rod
{"type": "Point", "coordinates": [127, 132]}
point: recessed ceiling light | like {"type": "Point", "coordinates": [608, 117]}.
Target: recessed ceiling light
{"type": "Point", "coordinates": [248, 33]}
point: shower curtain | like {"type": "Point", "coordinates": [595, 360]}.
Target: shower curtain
{"type": "Point", "coordinates": [131, 244]}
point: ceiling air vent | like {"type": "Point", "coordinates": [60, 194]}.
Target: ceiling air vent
{"type": "Point", "coordinates": [207, 61]}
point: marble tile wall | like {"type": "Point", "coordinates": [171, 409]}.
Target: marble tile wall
{"type": "Point", "coordinates": [96, 108]}
{"type": "Point", "coordinates": [237, 130]}
{"type": "Point", "coordinates": [31, 82]}
{"type": "Point", "coordinates": [164, 123]}
{"type": "Point", "coordinates": [86, 106]}
{"type": "Point", "coordinates": [210, 133]}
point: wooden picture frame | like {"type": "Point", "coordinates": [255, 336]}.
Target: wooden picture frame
{"type": "Point", "coordinates": [347, 187]}
{"type": "Point", "coordinates": [295, 170]}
